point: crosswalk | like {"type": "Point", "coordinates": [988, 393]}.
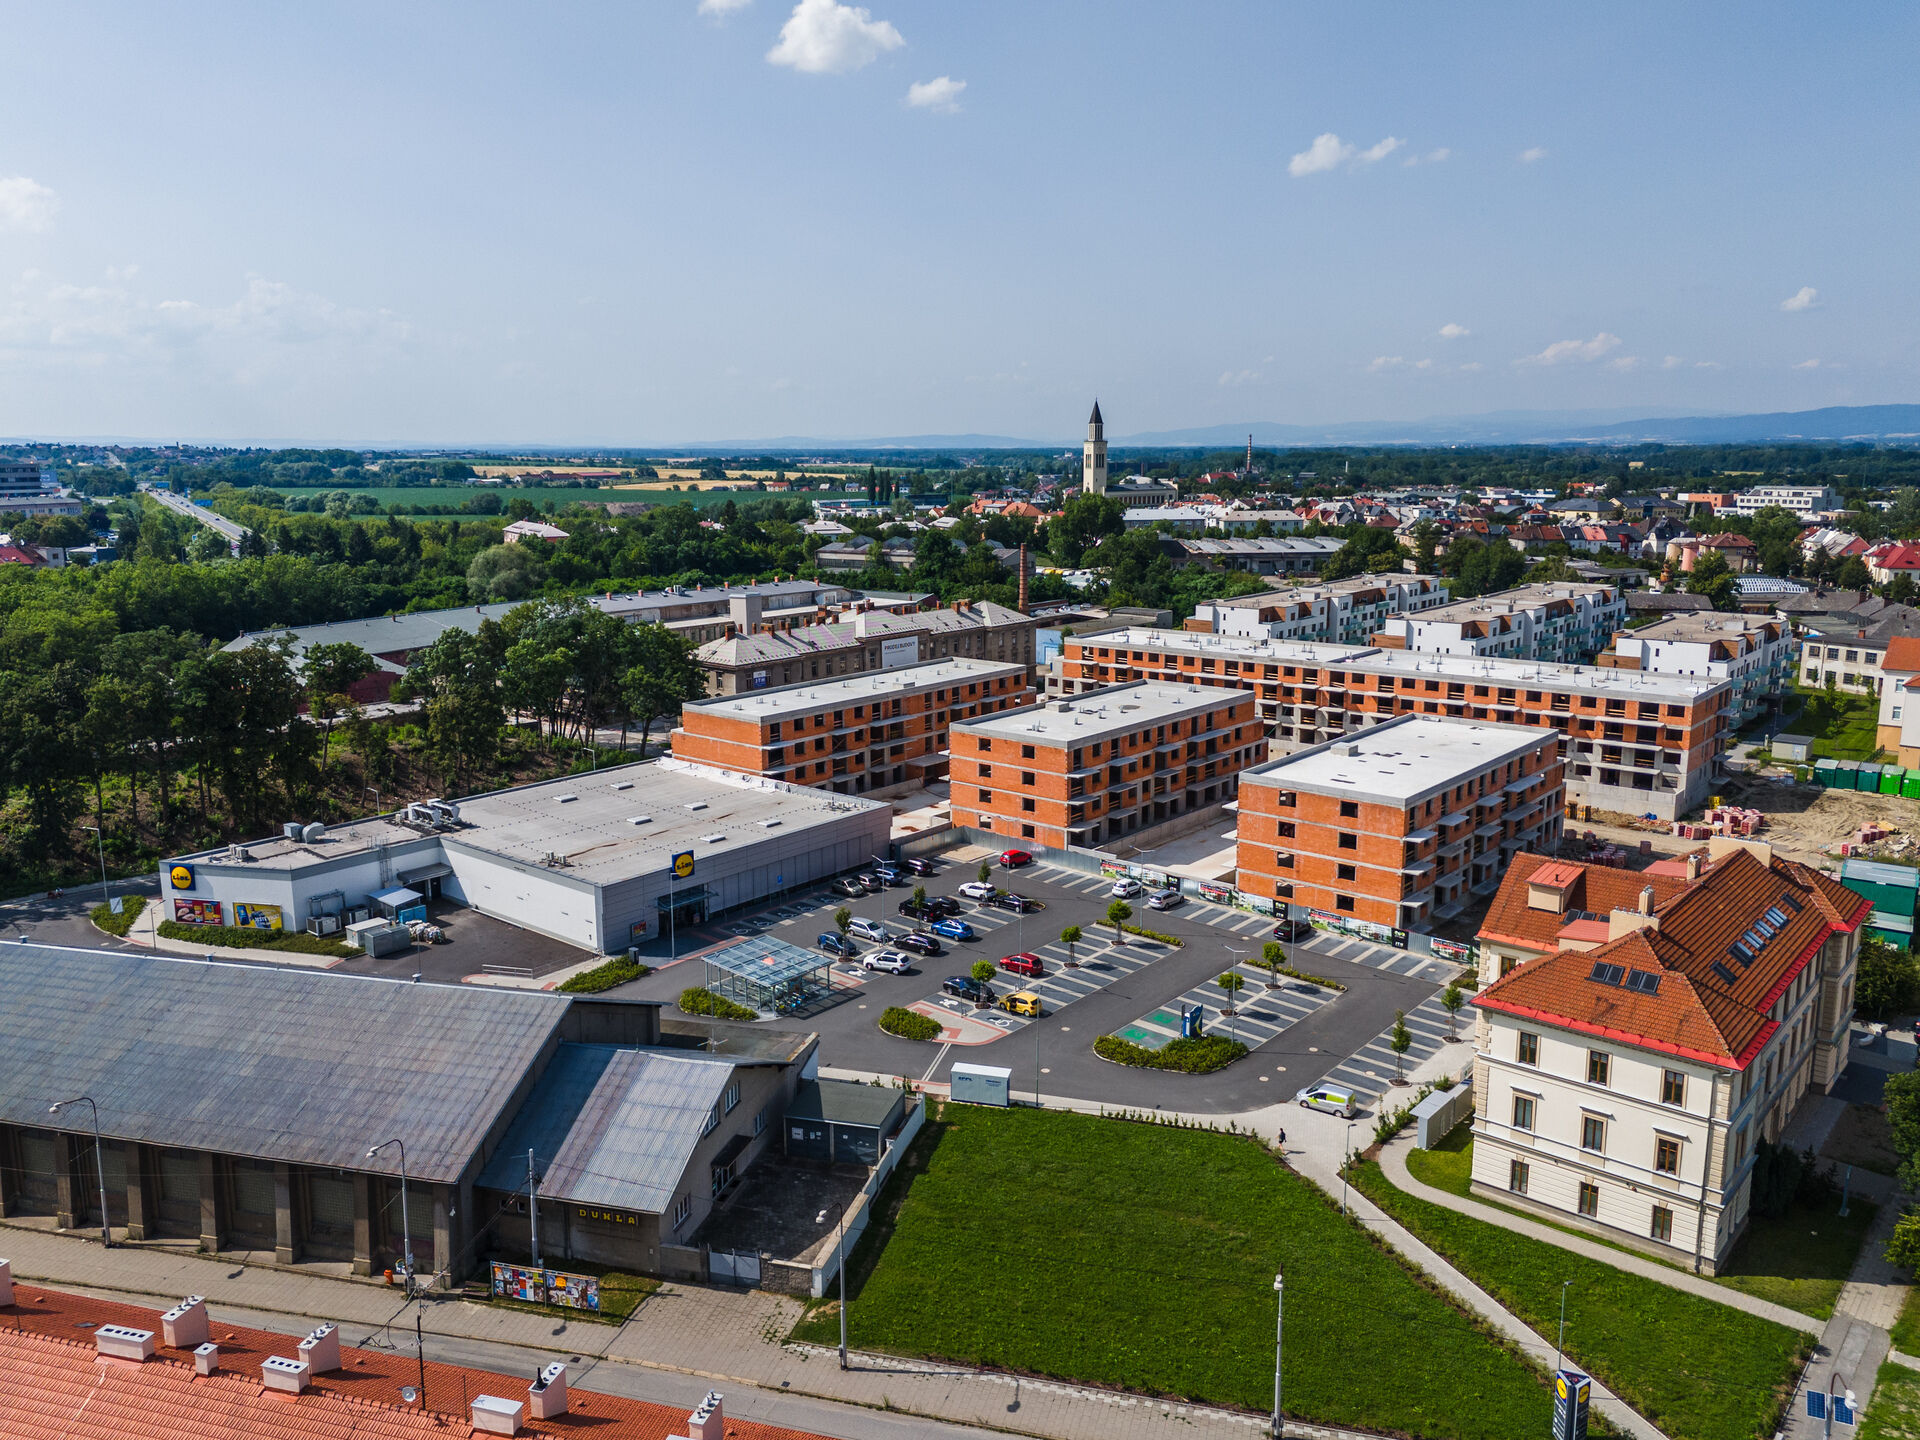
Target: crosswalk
{"type": "Point", "coordinates": [1369, 1072]}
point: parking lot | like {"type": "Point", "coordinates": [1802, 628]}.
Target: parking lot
{"type": "Point", "coordinates": [1300, 1033]}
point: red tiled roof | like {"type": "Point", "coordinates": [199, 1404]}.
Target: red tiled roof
{"type": "Point", "coordinates": [1710, 1005]}
{"type": "Point", "coordinates": [1594, 888]}
{"type": "Point", "coordinates": [1903, 654]}
{"type": "Point", "coordinates": [54, 1387]}
{"type": "Point", "coordinates": [18, 555]}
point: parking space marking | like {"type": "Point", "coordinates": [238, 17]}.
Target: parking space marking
{"type": "Point", "coordinates": [1258, 1019]}
{"type": "Point", "coordinates": [1369, 1071]}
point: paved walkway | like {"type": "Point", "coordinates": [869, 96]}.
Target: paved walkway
{"type": "Point", "coordinates": [1393, 1160]}
{"type": "Point", "coordinates": [1855, 1341]}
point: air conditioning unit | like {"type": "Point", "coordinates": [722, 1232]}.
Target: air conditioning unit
{"type": "Point", "coordinates": [324, 925]}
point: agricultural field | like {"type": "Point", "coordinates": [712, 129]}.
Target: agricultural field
{"type": "Point", "coordinates": [1142, 1257]}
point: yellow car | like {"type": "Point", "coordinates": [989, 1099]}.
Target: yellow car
{"type": "Point", "coordinates": [1022, 1002]}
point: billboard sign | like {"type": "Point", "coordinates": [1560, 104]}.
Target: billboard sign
{"type": "Point", "coordinates": [683, 865]}
{"type": "Point", "coordinates": [895, 653]}
{"type": "Point", "coordinates": [545, 1287]}
{"type": "Point", "coordinates": [198, 912]}
{"type": "Point", "coordinates": [1571, 1391]}
{"type": "Point", "coordinates": [1454, 950]}
{"type": "Point", "coordinates": [256, 917]}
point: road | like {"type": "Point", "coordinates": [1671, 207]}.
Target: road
{"type": "Point", "coordinates": [181, 505]}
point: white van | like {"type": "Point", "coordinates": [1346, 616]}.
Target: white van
{"type": "Point", "coordinates": [1329, 1098]}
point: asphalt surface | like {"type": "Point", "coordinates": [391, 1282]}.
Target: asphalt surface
{"type": "Point", "coordinates": [1059, 1046]}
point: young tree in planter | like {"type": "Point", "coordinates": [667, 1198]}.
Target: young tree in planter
{"type": "Point", "coordinates": [1399, 1042]}
{"type": "Point", "coordinates": [1451, 999]}
{"type": "Point", "coordinates": [920, 895]}
{"type": "Point", "coordinates": [986, 872]}
{"type": "Point", "coordinates": [1271, 955]}
{"type": "Point", "coordinates": [983, 971]}
{"type": "Point", "coordinates": [843, 917]}
{"type": "Point", "coordinates": [1229, 982]}
{"type": "Point", "coordinates": [1118, 913]}
{"type": "Point", "coordinates": [1070, 937]}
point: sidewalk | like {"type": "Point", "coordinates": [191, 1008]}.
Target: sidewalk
{"type": "Point", "coordinates": [1856, 1340]}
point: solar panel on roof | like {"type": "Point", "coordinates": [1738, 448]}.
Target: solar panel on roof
{"type": "Point", "coordinates": [1724, 973]}
{"type": "Point", "coordinates": [1740, 953]}
{"type": "Point", "coordinates": [1777, 916]}
{"type": "Point", "coordinates": [1793, 903]}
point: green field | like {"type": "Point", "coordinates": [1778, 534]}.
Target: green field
{"type": "Point", "coordinates": [1894, 1411]}
{"type": "Point", "coordinates": [1697, 1369]}
{"type": "Point", "coordinates": [1142, 1257]}
{"type": "Point", "coordinates": [1843, 726]}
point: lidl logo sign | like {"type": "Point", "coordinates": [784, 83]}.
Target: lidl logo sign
{"type": "Point", "coordinates": [181, 876]}
{"type": "Point", "coordinates": [683, 865]}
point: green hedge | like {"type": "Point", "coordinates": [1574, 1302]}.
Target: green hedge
{"type": "Point", "coordinates": [1146, 934]}
{"type": "Point", "coordinates": [1190, 1057]}
{"type": "Point", "coordinates": [237, 937]}
{"type": "Point", "coordinates": [698, 1001]}
{"type": "Point", "coordinates": [1292, 974]}
{"type": "Point", "coordinates": [120, 924]}
{"type": "Point", "coordinates": [617, 971]}
{"type": "Point", "coordinates": [909, 1024]}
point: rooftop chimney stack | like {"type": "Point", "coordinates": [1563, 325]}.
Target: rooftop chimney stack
{"type": "Point", "coordinates": [6, 1282]}
{"type": "Point", "coordinates": [1693, 866]}
{"type": "Point", "coordinates": [321, 1348]}
{"type": "Point", "coordinates": [708, 1422]}
{"type": "Point", "coordinates": [547, 1396]}
{"type": "Point", "coordinates": [185, 1325]}
{"type": "Point", "coordinates": [1646, 900]}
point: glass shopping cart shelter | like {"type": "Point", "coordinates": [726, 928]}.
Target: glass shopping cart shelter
{"type": "Point", "coordinates": [772, 976]}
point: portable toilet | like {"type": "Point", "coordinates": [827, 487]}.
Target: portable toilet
{"type": "Point", "coordinates": [1869, 777]}
{"type": "Point", "coordinates": [1823, 773]}
{"type": "Point", "coordinates": [1846, 775]}
{"type": "Point", "coordinates": [1910, 787]}
{"type": "Point", "coordinates": [1891, 778]}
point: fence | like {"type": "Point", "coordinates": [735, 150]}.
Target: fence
{"type": "Point", "coordinates": [827, 1267]}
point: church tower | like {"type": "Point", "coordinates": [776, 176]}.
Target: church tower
{"type": "Point", "coordinates": [1093, 463]}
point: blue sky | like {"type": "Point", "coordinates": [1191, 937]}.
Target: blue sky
{"type": "Point", "coordinates": [669, 221]}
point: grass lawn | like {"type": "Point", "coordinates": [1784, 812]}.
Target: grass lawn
{"type": "Point", "coordinates": [1697, 1369]}
{"type": "Point", "coordinates": [1906, 1330]}
{"type": "Point", "coordinates": [1843, 726]}
{"type": "Point", "coordinates": [1894, 1411]}
{"type": "Point", "coordinates": [1142, 1257]}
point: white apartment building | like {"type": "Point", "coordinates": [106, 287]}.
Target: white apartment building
{"type": "Point", "coordinates": [1622, 1085]}
{"type": "Point", "coordinates": [1563, 622]}
{"type": "Point", "coordinates": [1337, 612]}
{"type": "Point", "coordinates": [1753, 652]}
{"type": "Point", "coordinates": [1268, 555]}
{"type": "Point", "coordinates": [1807, 501]}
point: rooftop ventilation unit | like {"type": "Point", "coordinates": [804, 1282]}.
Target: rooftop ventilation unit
{"type": "Point", "coordinates": [639, 820]}
{"type": "Point", "coordinates": [313, 833]}
{"type": "Point", "coordinates": [291, 829]}
{"type": "Point", "coordinates": [713, 839]}
{"type": "Point", "coordinates": [565, 799]}
{"type": "Point", "coordinates": [769, 824]}
{"type": "Point", "coordinates": [696, 805]}
{"type": "Point", "coordinates": [623, 785]}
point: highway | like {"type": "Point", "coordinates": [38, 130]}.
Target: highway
{"type": "Point", "coordinates": [181, 505]}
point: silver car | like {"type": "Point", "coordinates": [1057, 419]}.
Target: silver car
{"type": "Point", "coordinates": [870, 929]}
{"type": "Point", "coordinates": [893, 962]}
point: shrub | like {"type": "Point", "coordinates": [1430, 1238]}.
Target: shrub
{"type": "Point", "coordinates": [1310, 979]}
{"type": "Point", "coordinates": [1146, 934]}
{"type": "Point", "coordinates": [236, 937]}
{"type": "Point", "coordinates": [909, 1024]}
{"type": "Point", "coordinates": [617, 971]}
{"type": "Point", "coordinates": [1189, 1057]}
{"type": "Point", "coordinates": [123, 922]}
{"type": "Point", "coordinates": [700, 1001]}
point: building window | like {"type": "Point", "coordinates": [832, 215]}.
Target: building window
{"type": "Point", "coordinates": [713, 1119]}
{"type": "Point", "coordinates": [1517, 1176]}
{"type": "Point", "coordinates": [1673, 1088]}
{"type": "Point", "coordinates": [1350, 809]}
{"type": "Point", "coordinates": [1593, 1133]}
{"type": "Point", "coordinates": [1349, 842]}
{"type": "Point", "coordinates": [682, 1208]}
{"type": "Point", "coordinates": [1599, 1067]}
{"type": "Point", "coordinates": [1343, 902]}
{"type": "Point", "coordinates": [1026, 802]}
{"type": "Point", "coordinates": [733, 1097]}
{"type": "Point", "coordinates": [1343, 872]}
{"type": "Point", "coordinates": [1523, 1112]}
{"type": "Point", "coordinates": [1662, 1228]}
{"type": "Point", "coordinates": [1527, 1050]}
{"type": "Point", "coordinates": [1589, 1199]}
{"type": "Point", "coordinates": [1666, 1155]}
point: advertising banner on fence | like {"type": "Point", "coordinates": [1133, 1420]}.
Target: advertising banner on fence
{"type": "Point", "coordinates": [1458, 953]}
{"type": "Point", "coordinates": [198, 912]}
{"type": "Point", "coordinates": [546, 1287]}
{"type": "Point", "coordinates": [1359, 929]}
{"type": "Point", "coordinates": [520, 1282]}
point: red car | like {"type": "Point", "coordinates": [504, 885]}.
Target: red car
{"type": "Point", "coordinates": [1014, 859]}
{"type": "Point", "coordinates": [1022, 964]}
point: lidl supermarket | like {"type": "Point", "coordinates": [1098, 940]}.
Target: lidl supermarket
{"type": "Point", "coordinates": [597, 860]}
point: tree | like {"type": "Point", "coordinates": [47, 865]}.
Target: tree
{"type": "Point", "coordinates": [1272, 955]}
{"type": "Point", "coordinates": [1903, 1248]}
{"type": "Point", "coordinates": [1712, 577]}
{"type": "Point", "coordinates": [920, 895]}
{"type": "Point", "coordinates": [986, 872]}
{"type": "Point", "coordinates": [1084, 522]}
{"type": "Point", "coordinates": [1888, 981]}
{"type": "Point", "coordinates": [843, 918]}
{"type": "Point", "coordinates": [662, 677]}
{"type": "Point", "coordinates": [1852, 575]}
{"type": "Point", "coordinates": [504, 572]}
{"type": "Point", "coordinates": [1426, 544]}
{"type": "Point", "coordinates": [1400, 1041]}
{"type": "Point", "coordinates": [1451, 999]}
{"type": "Point", "coordinates": [329, 672]}
{"type": "Point", "coordinates": [1368, 548]}
{"type": "Point", "coordinates": [983, 972]}
{"type": "Point", "coordinates": [1554, 567]}
{"type": "Point", "coordinates": [1479, 568]}
{"type": "Point", "coordinates": [1229, 982]}
{"type": "Point", "coordinates": [1118, 913]}
{"type": "Point", "coordinates": [1070, 937]}
{"type": "Point", "coordinates": [1902, 1099]}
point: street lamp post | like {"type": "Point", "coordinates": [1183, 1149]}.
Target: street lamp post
{"type": "Point", "coordinates": [406, 1230]}
{"type": "Point", "coordinates": [1344, 1164]}
{"type": "Point", "coordinates": [100, 844]}
{"type": "Point", "coordinates": [1279, 1333]}
{"type": "Point", "coordinates": [1560, 1346]}
{"type": "Point", "coordinates": [99, 1163]}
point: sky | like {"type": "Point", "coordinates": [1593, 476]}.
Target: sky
{"type": "Point", "coordinates": [674, 221]}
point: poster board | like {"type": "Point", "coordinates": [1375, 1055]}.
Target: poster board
{"type": "Point", "coordinates": [199, 912]}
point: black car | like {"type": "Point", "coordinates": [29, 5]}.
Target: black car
{"type": "Point", "coordinates": [916, 866]}
{"type": "Point", "coordinates": [1019, 904]}
{"type": "Point", "coordinates": [835, 944]}
{"type": "Point", "coordinates": [1293, 930]}
{"type": "Point", "coordinates": [968, 988]}
{"type": "Point", "coordinates": [920, 943]}
{"type": "Point", "coordinates": [934, 907]}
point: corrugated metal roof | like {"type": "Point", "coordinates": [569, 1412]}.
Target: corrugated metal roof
{"type": "Point", "coordinates": [287, 1064]}
{"type": "Point", "coordinates": [611, 1126]}
{"type": "Point", "coordinates": [845, 1102]}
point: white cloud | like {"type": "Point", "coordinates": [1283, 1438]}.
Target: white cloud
{"type": "Point", "coordinates": [1624, 363]}
{"type": "Point", "coordinates": [1708, 365]}
{"type": "Point", "coordinates": [1805, 298]}
{"type": "Point", "coordinates": [1563, 351]}
{"type": "Point", "coordinates": [1454, 332]}
{"type": "Point", "coordinates": [824, 37]}
{"type": "Point", "coordinates": [1671, 362]}
{"type": "Point", "coordinates": [25, 204]}
{"type": "Point", "coordinates": [1473, 365]}
{"type": "Point", "coordinates": [1533, 154]}
{"type": "Point", "coordinates": [940, 94]}
{"type": "Point", "coordinates": [1808, 365]}
{"type": "Point", "coordinates": [1432, 157]}
{"type": "Point", "coordinates": [1237, 377]}
{"type": "Point", "coordinates": [1330, 152]}
{"type": "Point", "coordinates": [1381, 363]}
{"type": "Point", "coordinates": [720, 9]}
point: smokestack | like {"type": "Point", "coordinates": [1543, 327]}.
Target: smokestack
{"type": "Point", "coordinates": [1022, 606]}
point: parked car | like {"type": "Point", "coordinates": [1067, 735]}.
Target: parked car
{"type": "Point", "coordinates": [1023, 964]}
{"type": "Point", "coordinates": [1330, 1098]}
{"type": "Point", "coordinates": [953, 929]}
{"type": "Point", "coordinates": [1166, 900]}
{"type": "Point", "coordinates": [870, 882]}
{"type": "Point", "coordinates": [968, 988]}
{"type": "Point", "coordinates": [890, 872]}
{"type": "Point", "coordinates": [848, 886]}
{"type": "Point", "coordinates": [870, 929]}
{"type": "Point", "coordinates": [1014, 859]}
{"type": "Point", "coordinates": [1293, 930]}
{"type": "Point", "coordinates": [921, 943]}
{"type": "Point", "coordinates": [977, 890]}
{"type": "Point", "coordinates": [1021, 1002]}
{"type": "Point", "coordinates": [934, 907]}
{"type": "Point", "coordinates": [1126, 889]}
{"type": "Point", "coordinates": [916, 866]}
{"type": "Point", "coordinates": [1019, 904]}
{"type": "Point", "coordinates": [891, 961]}
{"type": "Point", "coordinates": [834, 943]}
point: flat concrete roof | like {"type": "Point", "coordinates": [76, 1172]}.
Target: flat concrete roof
{"type": "Point", "coordinates": [1402, 761]}
{"type": "Point", "coordinates": [1511, 602]}
{"type": "Point", "coordinates": [1472, 669]}
{"type": "Point", "coordinates": [1100, 713]}
{"type": "Point", "coordinates": [784, 700]}
{"type": "Point", "coordinates": [604, 826]}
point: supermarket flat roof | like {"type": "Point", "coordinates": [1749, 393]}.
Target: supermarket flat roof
{"type": "Point", "coordinates": [784, 700]}
{"type": "Point", "coordinates": [1402, 761]}
{"type": "Point", "coordinates": [1098, 713]}
{"type": "Point", "coordinates": [1473, 669]}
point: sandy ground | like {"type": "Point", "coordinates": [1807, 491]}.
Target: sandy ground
{"type": "Point", "coordinates": [1807, 823]}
